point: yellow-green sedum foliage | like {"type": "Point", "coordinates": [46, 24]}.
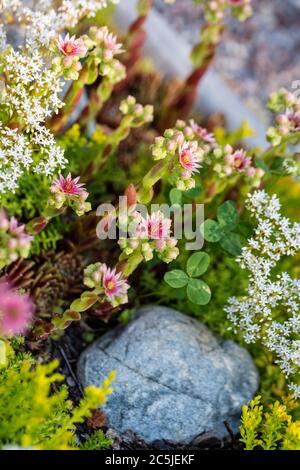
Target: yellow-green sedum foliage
{"type": "Point", "coordinates": [272, 428]}
{"type": "Point", "coordinates": [31, 415]}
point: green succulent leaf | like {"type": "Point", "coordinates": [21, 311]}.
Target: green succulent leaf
{"type": "Point", "coordinates": [211, 231]}
{"type": "Point", "coordinates": [228, 216]}
{"type": "Point", "coordinates": [176, 278]}
{"type": "Point", "coordinates": [92, 74]}
{"type": "Point", "coordinates": [197, 264]}
{"type": "Point", "coordinates": [232, 243]}
{"type": "Point", "coordinates": [198, 292]}
{"type": "Point", "coordinates": [87, 300]}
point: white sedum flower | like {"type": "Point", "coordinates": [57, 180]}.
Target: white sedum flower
{"type": "Point", "coordinates": [44, 19]}
{"type": "Point", "coordinates": [268, 296]}
{"type": "Point", "coordinates": [29, 97]}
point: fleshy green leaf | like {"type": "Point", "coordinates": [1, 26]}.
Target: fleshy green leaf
{"type": "Point", "coordinates": [176, 278]}
{"type": "Point", "coordinates": [232, 243]}
{"type": "Point", "coordinates": [198, 292]}
{"type": "Point", "coordinates": [87, 300]}
{"type": "Point", "coordinates": [211, 231]}
{"type": "Point", "coordinates": [92, 74]}
{"type": "Point", "coordinates": [228, 216]}
{"type": "Point", "coordinates": [197, 264]}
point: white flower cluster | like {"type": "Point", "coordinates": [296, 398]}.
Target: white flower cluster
{"type": "Point", "coordinates": [15, 157]}
{"type": "Point", "coordinates": [30, 86]}
{"type": "Point", "coordinates": [270, 297]}
{"type": "Point", "coordinates": [30, 96]}
{"type": "Point", "coordinates": [32, 90]}
{"type": "Point", "coordinates": [44, 19]}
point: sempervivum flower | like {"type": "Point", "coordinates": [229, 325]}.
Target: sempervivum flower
{"type": "Point", "coordinates": [238, 160]}
{"type": "Point", "coordinates": [189, 156]}
{"type": "Point", "coordinates": [112, 47]}
{"type": "Point", "coordinates": [68, 185]}
{"type": "Point", "coordinates": [108, 40]}
{"type": "Point", "coordinates": [14, 240]}
{"type": "Point", "coordinates": [106, 280]}
{"type": "Point", "coordinates": [68, 192]}
{"type": "Point", "coordinates": [15, 311]}
{"type": "Point", "coordinates": [154, 226]}
{"type": "Point", "coordinates": [150, 234]}
{"type": "Point", "coordinates": [167, 249]}
{"type": "Point", "coordinates": [202, 132]}
{"type": "Point", "coordinates": [114, 286]}
{"type": "Point", "coordinates": [71, 47]}
{"type": "Point", "coordinates": [294, 119]}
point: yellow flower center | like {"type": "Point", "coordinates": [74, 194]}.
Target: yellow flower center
{"type": "Point", "coordinates": [110, 285]}
{"type": "Point", "coordinates": [69, 48]}
{"type": "Point", "coordinates": [186, 158]}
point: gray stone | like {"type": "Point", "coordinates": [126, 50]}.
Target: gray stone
{"type": "Point", "coordinates": [175, 379]}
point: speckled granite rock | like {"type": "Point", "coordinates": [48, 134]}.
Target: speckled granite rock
{"type": "Point", "coordinates": [175, 379]}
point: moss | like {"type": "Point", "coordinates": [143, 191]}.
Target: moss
{"type": "Point", "coordinates": [32, 414]}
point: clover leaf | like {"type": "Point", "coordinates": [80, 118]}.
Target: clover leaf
{"type": "Point", "coordinates": [176, 278]}
{"type": "Point", "coordinates": [221, 230]}
{"type": "Point", "coordinates": [197, 264]}
{"type": "Point", "coordinates": [211, 231]}
{"type": "Point", "coordinates": [228, 216]}
{"type": "Point", "coordinates": [197, 291]}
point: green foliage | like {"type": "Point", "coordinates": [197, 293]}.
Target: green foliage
{"type": "Point", "coordinates": [211, 231]}
{"type": "Point", "coordinates": [176, 278]}
{"type": "Point", "coordinates": [232, 243]}
{"type": "Point", "coordinates": [79, 149]}
{"type": "Point", "coordinates": [224, 277]}
{"type": "Point", "coordinates": [197, 291]}
{"type": "Point", "coordinates": [29, 201]}
{"type": "Point", "coordinates": [222, 230]}
{"type": "Point", "coordinates": [175, 196]}
{"type": "Point", "coordinates": [97, 441]}
{"type": "Point", "coordinates": [228, 217]}
{"type": "Point", "coordinates": [34, 409]}
{"type": "Point", "coordinates": [29, 198]}
{"type": "Point", "coordinates": [47, 239]}
{"type": "Point", "coordinates": [180, 198]}
{"type": "Point", "coordinates": [197, 264]}
{"type": "Point", "coordinates": [32, 415]}
{"type": "Point", "coordinates": [270, 428]}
